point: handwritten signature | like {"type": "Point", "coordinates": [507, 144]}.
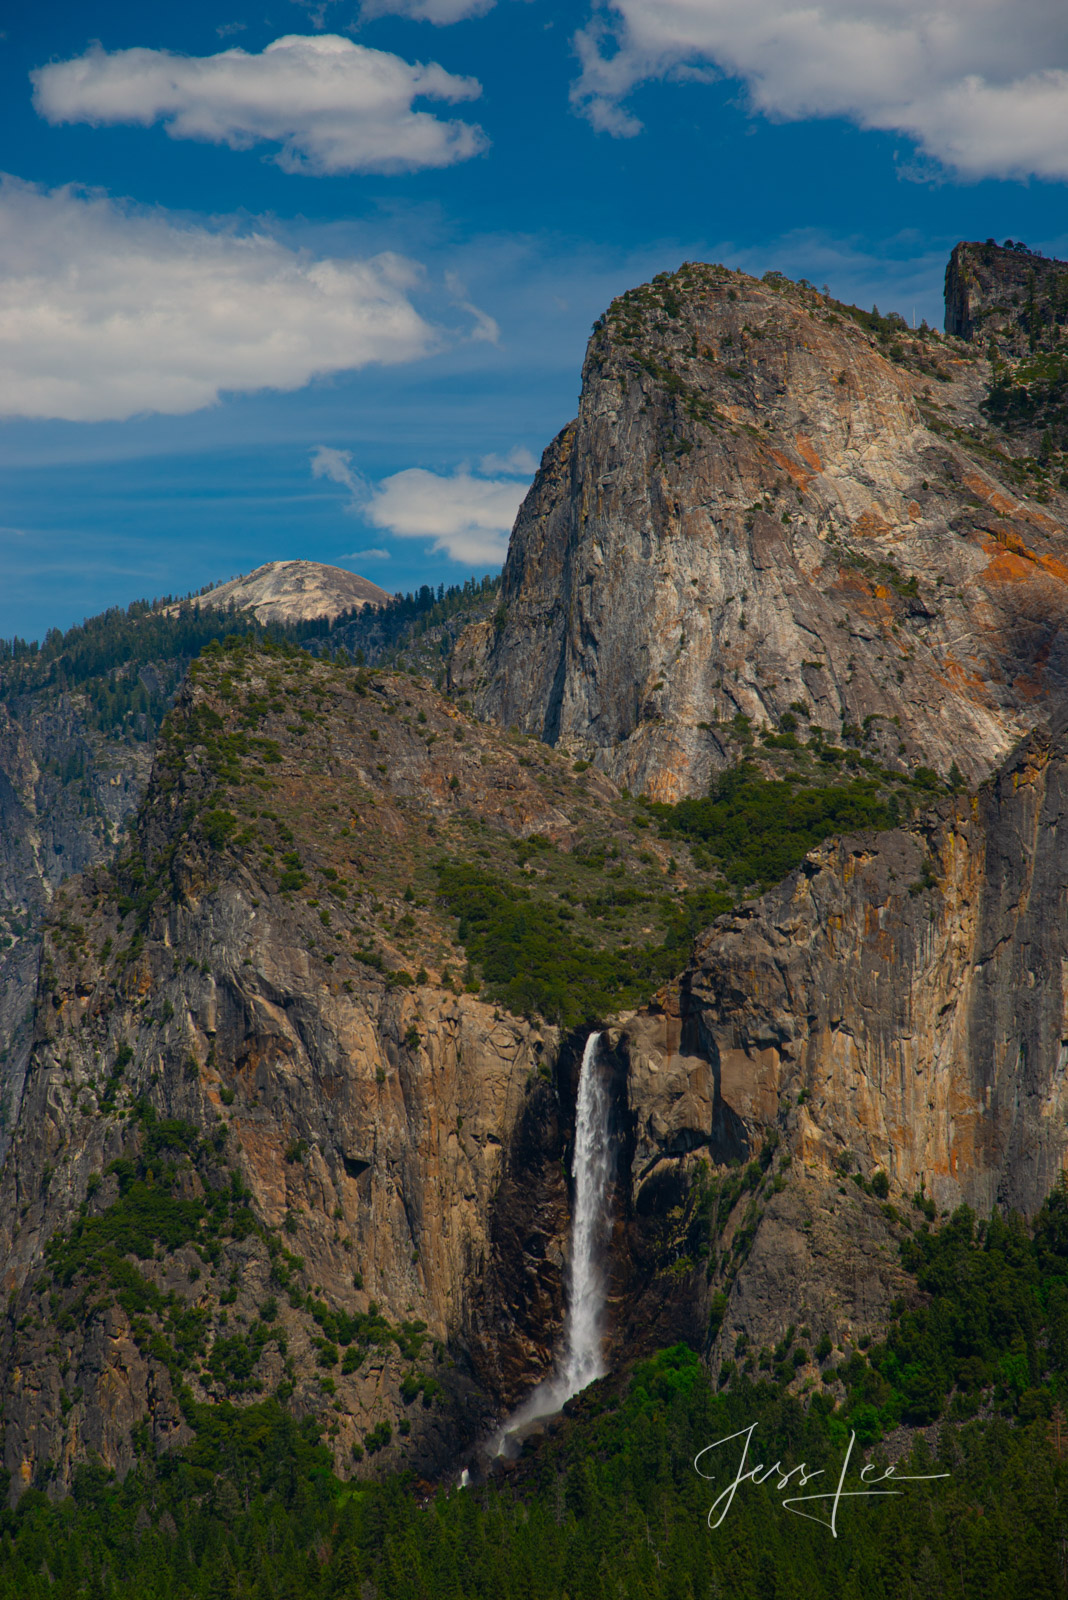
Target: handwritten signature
{"type": "Point", "coordinates": [803, 1475]}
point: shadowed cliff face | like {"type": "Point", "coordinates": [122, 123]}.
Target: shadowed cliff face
{"type": "Point", "coordinates": [65, 792]}
{"type": "Point", "coordinates": [762, 505]}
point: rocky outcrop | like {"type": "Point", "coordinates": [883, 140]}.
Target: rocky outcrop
{"type": "Point", "coordinates": [73, 772]}
{"type": "Point", "coordinates": [765, 507]}
{"type": "Point", "coordinates": [901, 1000]}
{"type": "Point", "coordinates": [1006, 297]}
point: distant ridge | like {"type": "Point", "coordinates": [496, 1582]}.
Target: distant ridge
{"type": "Point", "coordinates": [295, 591]}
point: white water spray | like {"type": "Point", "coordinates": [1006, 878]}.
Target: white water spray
{"type": "Point", "coordinates": [582, 1359]}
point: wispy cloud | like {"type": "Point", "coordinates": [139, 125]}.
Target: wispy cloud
{"type": "Point", "coordinates": [517, 463]}
{"type": "Point", "coordinates": [437, 11]}
{"type": "Point", "coordinates": [336, 467]}
{"type": "Point", "coordinates": [485, 327]}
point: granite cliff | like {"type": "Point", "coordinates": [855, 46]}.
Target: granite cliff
{"type": "Point", "coordinates": [770, 504]}
{"type": "Point", "coordinates": [66, 792]}
{"type": "Point", "coordinates": [275, 1135]}
{"type": "Point", "coordinates": [1007, 298]}
{"type": "Point", "coordinates": [897, 1006]}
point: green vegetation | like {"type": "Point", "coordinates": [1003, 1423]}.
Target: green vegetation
{"type": "Point", "coordinates": [128, 662]}
{"type": "Point", "coordinates": [417, 630]}
{"type": "Point", "coordinates": [551, 941]}
{"type": "Point", "coordinates": [174, 1191]}
{"type": "Point", "coordinates": [533, 962]}
{"type": "Point", "coordinates": [756, 829]}
{"type": "Point", "coordinates": [609, 1505]}
{"type": "Point", "coordinates": [993, 1334]}
{"type": "Point", "coordinates": [1031, 394]}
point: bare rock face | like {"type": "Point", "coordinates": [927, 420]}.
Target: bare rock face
{"type": "Point", "coordinates": [71, 778]}
{"type": "Point", "coordinates": [896, 1007]}
{"type": "Point", "coordinates": [65, 792]}
{"type": "Point", "coordinates": [295, 591]}
{"type": "Point", "coordinates": [763, 505]}
{"type": "Point", "coordinates": [899, 1002]}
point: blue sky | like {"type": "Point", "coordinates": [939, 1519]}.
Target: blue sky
{"type": "Point", "coordinates": [310, 280]}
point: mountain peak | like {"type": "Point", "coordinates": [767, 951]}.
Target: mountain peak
{"type": "Point", "coordinates": [295, 591]}
{"type": "Point", "coordinates": [775, 506]}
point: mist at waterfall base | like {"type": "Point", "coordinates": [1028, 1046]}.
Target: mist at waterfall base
{"type": "Point", "coordinates": [581, 1359]}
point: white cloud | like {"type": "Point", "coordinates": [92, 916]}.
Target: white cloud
{"type": "Point", "coordinates": [366, 555]}
{"type": "Point", "coordinates": [106, 312]}
{"type": "Point", "coordinates": [437, 11]}
{"type": "Point", "coordinates": [334, 106]}
{"type": "Point", "coordinates": [981, 85]}
{"type": "Point", "coordinates": [485, 330]}
{"type": "Point", "coordinates": [336, 467]}
{"type": "Point", "coordinates": [468, 518]}
{"type": "Point", "coordinates": [518, 463]}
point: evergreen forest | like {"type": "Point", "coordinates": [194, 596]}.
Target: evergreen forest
{"type": "Point", "coordinates": [607, 1501]}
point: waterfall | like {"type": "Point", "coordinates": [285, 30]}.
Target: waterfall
{"type": "Point", "coordinates": [581, 1360]}
{"type": "Point", "coordinates": [591, 1169]}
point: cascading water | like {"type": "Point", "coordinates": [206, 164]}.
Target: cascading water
{"type": "Point", "coordinates": [591, 1168]}
{"type": "Point", "coordinates": [582, 1359]}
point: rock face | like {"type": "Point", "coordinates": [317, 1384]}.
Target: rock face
{"type": "Point", "coordinates": [761, 506]}
{"type": "Point", "coordinates": [1008, 299]}
{"type": "Point", "coordinates": [898, 1005]}
{"type": "Point", "coordinates": [264, 1128]}
{"type": "Point", "coordinates": [72, 777]}
{"type": "Point", "coordinates": [294, 592]}
{"type": "Point", "coordinates": [900, 1002]}
{"type": "Point", "coordinates": [66, 790]}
